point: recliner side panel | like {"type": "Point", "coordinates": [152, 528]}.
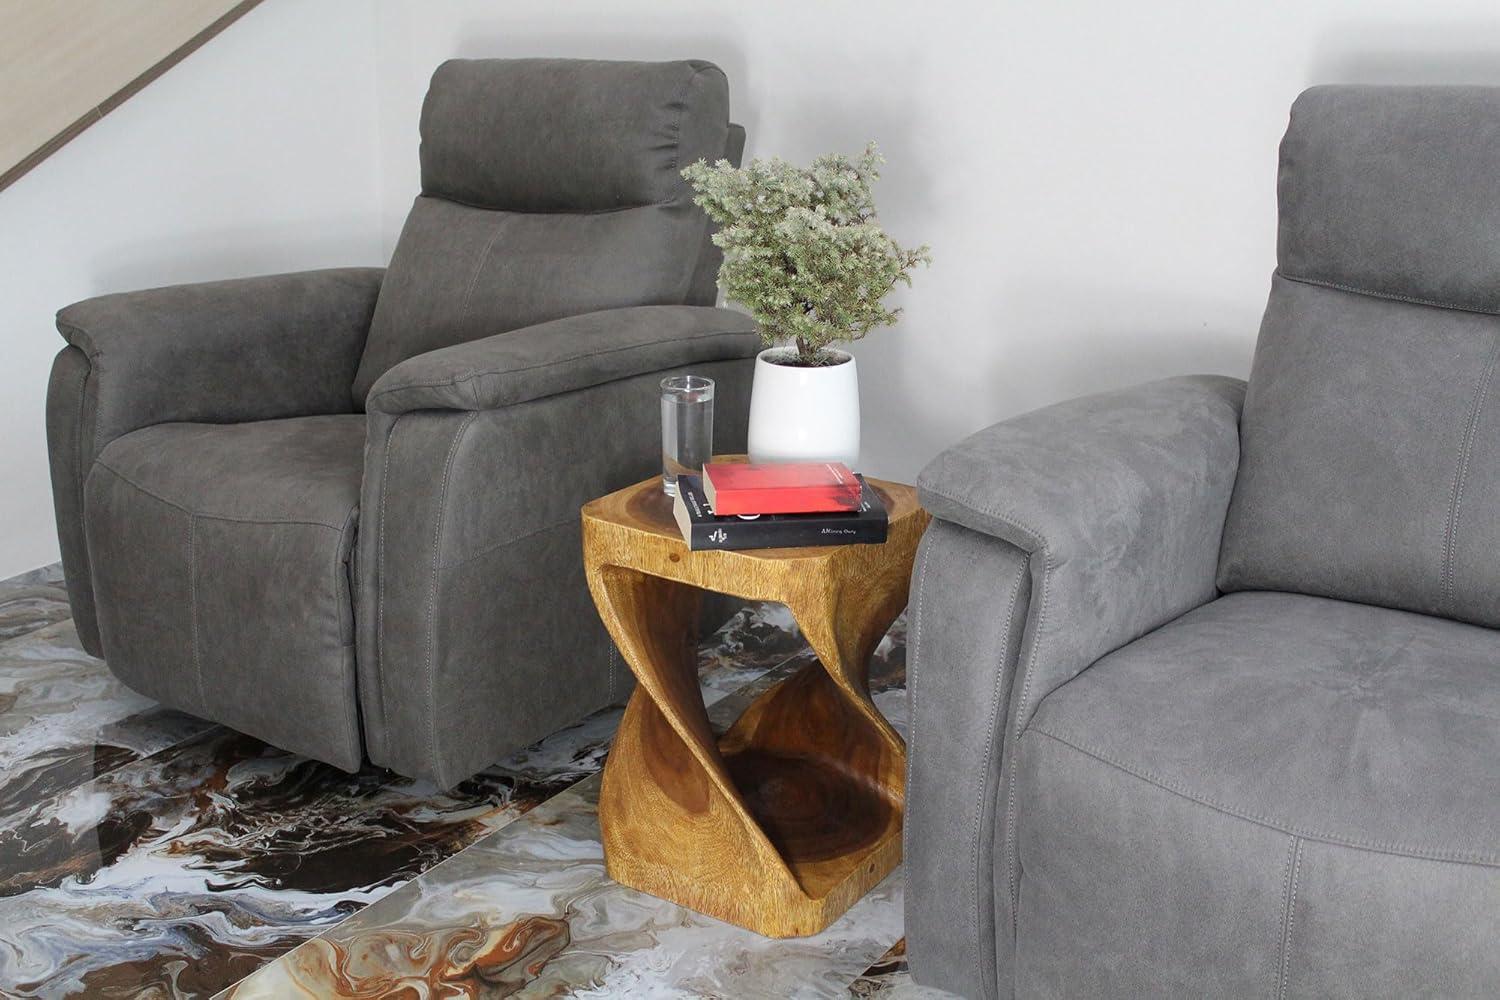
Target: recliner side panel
{"type": "Point", "coordinates": [470, 567]}
{"type": "Point", "coordinates": [69, 454]}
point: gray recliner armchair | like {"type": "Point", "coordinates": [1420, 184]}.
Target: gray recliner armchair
{"type": "Point", "coordinates": [338, 510]}
{"type": "Point", "coordinates": [1205, 679]}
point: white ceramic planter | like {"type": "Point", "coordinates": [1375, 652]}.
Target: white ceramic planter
{"type": "Point", "coordinates": [804, 414]}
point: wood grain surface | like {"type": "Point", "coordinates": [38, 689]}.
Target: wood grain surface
{"type": "Point", "coordinates": [781, 824]}
{"type": "Point", "coordinates": [65, 64]}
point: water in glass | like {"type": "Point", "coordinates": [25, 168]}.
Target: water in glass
{"type": "Point", "coordinates": [687, 427]}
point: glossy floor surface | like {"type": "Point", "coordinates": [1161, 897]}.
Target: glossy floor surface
{"type": "Point", "coordinates": [145, 853]}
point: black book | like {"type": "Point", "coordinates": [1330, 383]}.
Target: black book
{"type": "Point", "coordinates": [702, 529]}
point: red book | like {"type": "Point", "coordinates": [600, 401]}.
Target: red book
{"type": "Point", "coordinates": [781, 488]}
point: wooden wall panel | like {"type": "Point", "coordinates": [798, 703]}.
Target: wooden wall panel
{"type": "Point", "coordinates": [64, 64]}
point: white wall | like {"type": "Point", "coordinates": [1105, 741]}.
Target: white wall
{"type": "Point", "coordinates": [1097, 180]}
{"type": "Point", "coordinates": [254, 155]}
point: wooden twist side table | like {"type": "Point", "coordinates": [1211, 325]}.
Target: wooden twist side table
{"type": "Point", "coordinates": [783, 823]}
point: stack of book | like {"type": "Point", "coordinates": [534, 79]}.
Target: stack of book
{"type": "Point", "coordinates": [738, 506]}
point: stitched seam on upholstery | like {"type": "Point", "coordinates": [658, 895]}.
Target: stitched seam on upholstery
{"type": "Point", "coordinates": [1288, 916]}
{"type": "Point", "coordinates": [1024, 664]}
{"type": "Point", "coordinates": [484, 257]}
{"type": "Point", "coordinates": [612, 210]}
{"type": "Point", "coordinates": [437, 538]}
{"type": "Point", "coordinates": [79, 463]}
{"type": "Point", "coordinates": [692, 266]}
{"type": "Point", "coordinates": [79, 332]}
{"type": "Point", "coordinates": [95, 447]}
{"type": "Point", "coordinates": [235, 519]}
{"type": "Point", "coordinates": [80, 467]}
{"type": "Point", "coordinates": [913, 660]}
{"type": "Point", "coordinates": [342, 566]}
{"type": "Point", "coordinates": [993, 723]}
{"type": "Point", "coordinates": [95, 356]}
{"type": "Point", "coordinates": [558, 362]}
{"type": "Point", "coordinates": [1286, 885]}
{"type": "Point", "coordinates": [681, 111]}
{"type": "Point", "coordinates": [193, 608]}
{"type": "Point", "coordinates": [341, 572]}
{"type": "Point", "coordinates": [1461, 475]}
{"type": "Point", "coordinates": [91, 352]}
{"type": "Point", "coordinates": [1370, 293]}
{"type": "Point", "coordinates": [1414, 851]}
{"type": "Point", "coordinates": [379, 664]}
{"type": "Point", "coordinates": [1014, 847]}
{"type": "Point", "coordinates": [1036, 538]}
{"type": "Point", "coordinates": [489, 549]}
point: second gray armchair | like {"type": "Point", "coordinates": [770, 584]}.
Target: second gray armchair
{"type": "Point", "coordinates": [338, 510]}
{"type": "Point", "coordinates": [1206, 676]}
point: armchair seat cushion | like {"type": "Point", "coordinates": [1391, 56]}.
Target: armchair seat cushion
{"type": "Point", "coordinates": [1277, 778]}
{"type": "Point", "coordinates": [202, 533]}
{"type": "Point", "coordinates": [303, 469]}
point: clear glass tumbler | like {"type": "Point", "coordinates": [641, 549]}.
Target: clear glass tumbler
{"type": "Point", "coordinates": [687, 427]}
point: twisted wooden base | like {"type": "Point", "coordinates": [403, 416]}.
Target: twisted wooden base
{"type": "Point", "coordinates": [781, 824]}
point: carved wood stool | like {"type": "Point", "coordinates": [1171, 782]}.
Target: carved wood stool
{"type": "Point", "coordinates": [781, 824]}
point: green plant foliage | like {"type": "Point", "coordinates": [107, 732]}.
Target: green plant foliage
{"type": "Point", "coordinates": [802, 248]}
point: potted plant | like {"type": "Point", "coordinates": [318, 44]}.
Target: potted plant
{"type": "Point", "coordinates": [803, 251]}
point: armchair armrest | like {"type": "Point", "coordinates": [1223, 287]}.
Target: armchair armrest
{"type": "Point", "coordinates": [251, 349]}
{"type": "Point", "coordinates": [1118, 499]}
{"type": "Point", "coordinates": [575, 352]}
{"type": "Point", "coordinates": [1060, 536]}
{"type": "Point", "coordinates": [246, 349]}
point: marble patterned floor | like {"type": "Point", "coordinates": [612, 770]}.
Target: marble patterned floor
{"type": "Point", "coordinates": [145, 853]}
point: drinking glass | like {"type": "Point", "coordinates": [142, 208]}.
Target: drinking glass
{"type": "Point", "coordinates": [687, 427]}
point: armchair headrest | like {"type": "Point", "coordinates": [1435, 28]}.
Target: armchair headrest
{"type": "Point", "coordinates": [569, 135]}
{"type": "Point", "coordinates": [1394, 191]}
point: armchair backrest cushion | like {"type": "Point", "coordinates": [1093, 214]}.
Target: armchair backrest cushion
{"type": "Point", "coordinates": [1370, 437]}
{"type": "Point", "coordinates": [550, 187]}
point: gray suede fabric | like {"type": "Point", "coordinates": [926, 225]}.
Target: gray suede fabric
{"type": "Point", "coordinates": [1311, 764]}
{"type": "Point", "coordinates": [1115, 502]}
{"type": "Point", "coordinates": [67, 402]}
{"type": "Point", "coordinates": [591, 212]}
{"type": "Point", "coordinates": [1371, 466]}
{"type": "Point", "coordinates": [1134, 890]}
{"type": "Point", "coordinates": [598, 135]}
{"type": "Point", "coordinates": [220, 556]}
{"type": "Point", "coordinates": [1131, 891]}
{"type": "Point", "coordinates": [1290, 789]}
{"type": "Point", "coordinates": [564, 355]}
{"type": "Point", "coordinates": [477, 632]}
{"type": "Point", "coordinates": [1370, 923]}
{"type": "Point", "coordinates": [1390, 191]}
{"type": "Point", "coordinates": [1371, 469]}
{"type": "Point", "coordinates": [245, 349]}
{"type": "Point", "coordinates": [1335, 721]}
{"type": "Point", "coordinates": [210, 453]}
{"type": "Point", "coordinates": [282, 345]}
{"type": "Point", "coordinates": [1118, 498]}
{"type": "Point", "coordinates": [459, 274]}
{"type": "Point", "coordinates": [971, 594]}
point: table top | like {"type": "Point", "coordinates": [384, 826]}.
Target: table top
{"type": "Point", "coordinates": [645, 509]}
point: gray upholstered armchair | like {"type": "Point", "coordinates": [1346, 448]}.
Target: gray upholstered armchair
{"type": "Point", "coordinates": [1206, 679]}
{"type": "Point", "coordinates": [338, 510]}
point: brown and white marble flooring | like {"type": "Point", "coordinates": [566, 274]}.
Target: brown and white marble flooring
{"type": "Point", "coordinates": [145, 853]}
